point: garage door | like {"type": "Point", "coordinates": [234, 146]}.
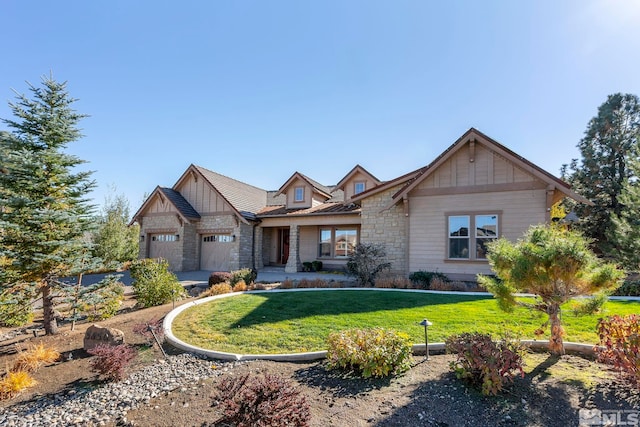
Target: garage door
{"type": "Point", "coordinates": [164, 246]}
{"type": "Point", "coordinates": [215, 252]}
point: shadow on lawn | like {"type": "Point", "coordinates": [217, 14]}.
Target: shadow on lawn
{"type": "Point", "coordinates": [281, 306]}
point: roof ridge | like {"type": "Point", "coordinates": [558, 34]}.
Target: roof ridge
{"type": "Point", "coordinates": [228, 177]}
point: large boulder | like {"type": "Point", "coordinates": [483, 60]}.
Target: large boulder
{"type": "Point", "coordinates": [97, 335]}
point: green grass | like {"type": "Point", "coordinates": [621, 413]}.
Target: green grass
{"type": "Point", "coordinates": [283, 322]}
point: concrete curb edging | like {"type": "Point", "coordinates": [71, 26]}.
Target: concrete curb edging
{"type": "Point", "coordinates": [586, 349]}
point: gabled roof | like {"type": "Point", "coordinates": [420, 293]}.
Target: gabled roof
{"type": "Point", "coordinates": [184, 208]}
{"type": "Point", "coordinates": [244, 199]}
{"type": "Point", "coordinates": [413, 179]}
{"type": "Point", "coordinates": [332, 208]}
{"type": "Point", "coordinates": [318, 188]}
{"type": "Point", "coordinates": [356, 169]}
{"type": "Point", "coordinates": [386, 185]}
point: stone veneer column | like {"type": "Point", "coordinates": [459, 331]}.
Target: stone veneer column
{"type": "Point", "coordinates": [257, 248]}
{"type": "Point", "coordinates": [293, 263]}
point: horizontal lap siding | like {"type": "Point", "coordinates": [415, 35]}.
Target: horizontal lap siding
{"type": "Point", "coordinates": [308, 243]}
{"type": "Point", "coordinates": [427, 222]}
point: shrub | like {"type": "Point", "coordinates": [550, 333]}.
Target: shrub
{"type": "Point", "coordinates": [307, 266]}
{"type": "Point", "coordinates": [14, 382]}
{"type": "Point", "coordinates": [396, 282]}
{"type": "Point", "coordinates": [366, 262]}
{"type": "Point", "coordinates": [219, 277]}
{"type": "Point", "coordinates": [312, 283]}
{"type": "Point", "coordinates": [620, 341]}
{"type": "Point", "coordinates": [144, 329]}
{"type": "Point", "coordinates": [219, 289]}
{"type": "Point", "coordinates": [369, 352]}
{"type": "Point", "coordinates": [240, 286]}
{"type": "Point", "coordinates": [316, 265]}
{"type": "Point", "coordinates": [286, 284]}
{"type": "Point", "coordinates": [483, 363]}
{"type": "Point", "coordinates": [34, 358]}
{"type": "Point", "coordinates": [249, 276]}
{"type": "Point", "coordinates": [630, 288]}
{"type": "Point", "coordinates": [423, 279]}
{"type": "Point", "coordinates": [14, 312]}
{"type": "Point", "coordinates": [111, 361]}
{"type": "Point", "coordinates": [257, 287]}
{"type": "Point", "coordinates": [267, 400]}
{"type": "Point", "coordinates": [104, 302]}
{"type": "Point", "coordinates": [154, 284]}
{"type": "Point", "coordinates": [438, 284]}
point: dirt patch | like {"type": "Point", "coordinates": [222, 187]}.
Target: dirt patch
{"type": "Point", "coordinates": [550, 394]}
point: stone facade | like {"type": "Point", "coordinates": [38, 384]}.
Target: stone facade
{"type": "Point", "coordinates": [388, 228]}
{"type": "Point", "coordinates": [293, 263]}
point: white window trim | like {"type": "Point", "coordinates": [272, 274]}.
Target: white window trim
{"type": "Point", "coordinates": [472, 233]}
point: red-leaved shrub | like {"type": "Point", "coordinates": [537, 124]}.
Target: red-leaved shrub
{"type": "Point", "coordinates": [261, 401]}
{"type": "Point", "coordinates": [219, 277]}
{"type": "Point", "coordinates": [620, 345]}
{"type": "Point", "coordinates": [483, 363]}
{"type": "Point", "coordinates": [111, 361]}
{"type": "Point", "coordinates": [144, 329]}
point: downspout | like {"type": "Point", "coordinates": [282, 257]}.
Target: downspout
{"type": "Point", "coordinates": [405, 202]}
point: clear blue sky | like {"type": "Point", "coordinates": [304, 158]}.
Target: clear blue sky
{"type": "Point", "coordinates": [259, 89]}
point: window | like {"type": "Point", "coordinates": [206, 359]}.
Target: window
{"type": "Point", "coordinates": [461, 240]}
{"type": "Point", "coordinates": [298, 195]}
{"type": "Point", "coordinates": [221, 238]}
{"type": "Point", "coordinates": [359, 187]}
{"type": "Point", "coordinates": [164, 238]}
{"type": "Point", "coordinates": [337, 242]}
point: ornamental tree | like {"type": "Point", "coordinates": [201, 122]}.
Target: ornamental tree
{"type": "Point", "coordinates": [556, 265]}
{"type": "Point", "coordinates": [44, 216]}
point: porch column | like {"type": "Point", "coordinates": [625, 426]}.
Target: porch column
{"type": "Point", "coordinates": [293, 263]}
{"type": "Point", "coordinates": [257, 248]}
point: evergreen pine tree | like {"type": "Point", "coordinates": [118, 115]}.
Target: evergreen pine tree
{"type": "Point", "coordinates": [44, 214]}
{"type": "Point", "coordinates": [624, 235]}
{"type": "Point", "coordinates": [610, 141]}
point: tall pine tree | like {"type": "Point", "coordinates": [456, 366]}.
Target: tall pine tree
{"type": "Point", "coordinates": [610, 141]}
{"type": "Point", "coordinates": [44, 213]}
{"type": "Point", "coordinates": [624, 236]}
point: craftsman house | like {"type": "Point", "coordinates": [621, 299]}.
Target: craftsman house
{"type": "Point", "coordinates": [437, 218]}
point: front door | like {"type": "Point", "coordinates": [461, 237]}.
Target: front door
{"type": "Point", "coordinates": [283, 245]}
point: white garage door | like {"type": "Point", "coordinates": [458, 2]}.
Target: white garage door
{"type": "Point", "coordinates": [215, 252]}
{"type": "Point", "coordinates": [164, 246]}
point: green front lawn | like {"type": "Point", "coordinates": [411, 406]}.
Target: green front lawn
{"type": "Point", "coordinates": [286, 322]}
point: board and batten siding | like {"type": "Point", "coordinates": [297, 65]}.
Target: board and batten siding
{"type": "Point", "coordinates": [487, 168]}
{"type": "Point", "coordinates": [517, 210]}
{"type": "Point", "coordinates": [202, 197]}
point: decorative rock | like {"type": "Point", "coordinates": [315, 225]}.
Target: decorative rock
{"type": "Point", "coordinates": [97, 335]}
